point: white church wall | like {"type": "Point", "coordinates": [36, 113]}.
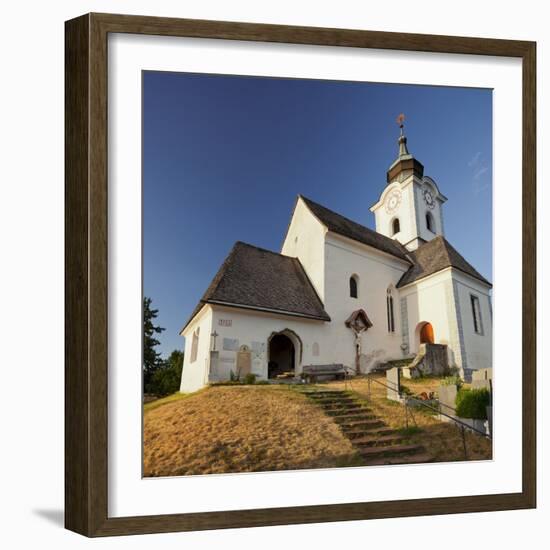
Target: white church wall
{"type": "Point", "coordinates": [305, 240]}
{"type": "Point", "coordinates": [411, 211]}
{"type": "Point", "coordinates": [430, 300]}
{"type": "Point", "coordinates": [194, 373]}
{"type": "Point", "coordinates": [376, 271]}
{"type": "Point", "coordinates": [237, 327]}
{"type": "Point", "coordinates": [478, 345]}
{"type": "Point", "coordinates": [423, 209]}
{"type": "Point", "coordinates": [405, 211]}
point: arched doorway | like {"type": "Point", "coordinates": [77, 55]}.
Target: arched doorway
{"type": "Point", "coordinates": [282, 355]}
{"type": "Point", "coordinates": [427, 334]}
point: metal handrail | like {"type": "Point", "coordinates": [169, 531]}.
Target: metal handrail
{"type": "Point", "coordinates": [421, 402]}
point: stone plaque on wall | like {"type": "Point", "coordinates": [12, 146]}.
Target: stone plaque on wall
{"type": "Point", "coordinates": [258, 348]}
{"type": "Point", "coordinates": [244, 361]}
{"type": "Point", "coordinates": [230, 344]}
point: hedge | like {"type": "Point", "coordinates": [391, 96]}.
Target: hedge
{"type": "Point", "coordinates": [472, 403]}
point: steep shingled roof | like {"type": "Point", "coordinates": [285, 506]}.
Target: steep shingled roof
{"type": "Point", "coordinates": [343, 226]}
{"type": "Point", "coordinates": [433, 256]}
{"type": "Point", "coordinates": [255, 278]}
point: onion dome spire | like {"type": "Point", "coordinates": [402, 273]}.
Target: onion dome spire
{"type": "Point", "coordinates": [405, 164]}
{"type": "Point", "coordinates": [403, 151]}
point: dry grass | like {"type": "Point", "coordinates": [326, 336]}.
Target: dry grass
{"type": "Point", "coordinates": [240, 429]}
{"type": "Point", "coordinates": [443, 441]}
{"type": "Point", "coordinates": [156, 403]}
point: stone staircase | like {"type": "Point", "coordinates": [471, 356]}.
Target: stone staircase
{"type": "Point", "coordinates": [375, 442]}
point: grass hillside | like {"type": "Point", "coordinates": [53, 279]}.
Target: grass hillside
{"type": "Point", "coordinates": [240, 429]}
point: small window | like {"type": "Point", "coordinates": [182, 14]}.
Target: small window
{"type": "Point", "coordinates": [430, 222]}
{"type": "Point", "coordinates": [476, 314]}
{"type": "Point", "coordinates": [315, 349]}
{"type": "Point", "coordinates": [395, 226]}
{"type": "Point", "coordinates": [353, 286]}
{"type": "Point", "coordinates": [195, 346]}
{"type": "Point", "coordinates": [389, 311]}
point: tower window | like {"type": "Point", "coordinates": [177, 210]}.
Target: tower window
{"type": "Point", "coordinates": [476, 314]}
{"type": "Point", "coordinates": [430, 222]}
{"type": "Point", "coordinates": [353, 286]}
{"type": "Point", "coordinates": [389, 311]}
{"type": "Point", "coordinates": [395, 226]}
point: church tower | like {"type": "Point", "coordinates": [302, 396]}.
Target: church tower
{"type": "Point", "coordinates": [410, 206]}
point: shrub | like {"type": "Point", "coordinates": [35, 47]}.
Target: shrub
{"type": "Point", "coordinates": [472, 403]}
{"type": "Point", "coordinates": [249, 378]}
{"type": "Point", "coordinates": [452, 381]}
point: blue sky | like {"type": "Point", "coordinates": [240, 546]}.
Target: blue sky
{"type": "Point", "coordinates": [225, 156]}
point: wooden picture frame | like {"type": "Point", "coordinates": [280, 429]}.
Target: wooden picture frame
{"type": "Point", "coordinates": [86, 415]}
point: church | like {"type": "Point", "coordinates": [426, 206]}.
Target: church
{"type": "Point", "coordinates": [340, 293]}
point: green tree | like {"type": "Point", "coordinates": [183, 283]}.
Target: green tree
{"type": "Point", "coordinates": [167, 378]}
{"type": "Point", "coordinates": [151, 357]}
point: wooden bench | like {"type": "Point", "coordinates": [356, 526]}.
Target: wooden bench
{"type": "Point", "coordinates": [310, 373]}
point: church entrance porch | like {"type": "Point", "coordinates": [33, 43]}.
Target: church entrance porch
{"type": "Point", "coordinates": [282, 353]}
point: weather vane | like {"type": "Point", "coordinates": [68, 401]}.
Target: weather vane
{"type": "Point", "coordinates": [400, 120]}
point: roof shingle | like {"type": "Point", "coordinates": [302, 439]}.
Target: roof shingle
{"type": "Point", "coordinates": [343, 226]}
{"type": "Point", "coordinates": [433, 256]}
{"type": "Point", "coordinates": [255, 278]}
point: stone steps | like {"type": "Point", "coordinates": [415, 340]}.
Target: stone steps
{"type": "Point", "coordinates": [416, 458]}
{"type": "Point", "coordinates": [333, 406]}
{"type": "Point", "coordinates": [390, 450]}
{"type": "Point", "coordinates": [354, 424]}
{"type": "Point", "coordinates": [353, 435]}
{"type": "Point", "coordinates": [339, 405]}
{"type": "Point", "coordinates": [375, 442]}
{"type": "Point", "coordinates": [343, 413]}
{"type": "Point", "coordinates": [328, 400]}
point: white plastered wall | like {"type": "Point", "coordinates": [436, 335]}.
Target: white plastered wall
{"type": "Point", "coordinates": [478, 346]}
{"type": "Point", "coordinates": [237, 327]}
{"type": "Point", "coordinates": [305, 240]}
{"type": "Point", "coordinates": [376, 271]}
{"type": "Point", "coordinates": [411, 212]}
{"type": "Point", "coordinates": [194, 374]}
{"type": "Point", "coordinates": [422, 209]}
{"type": "Point", "coordinates": [431, 300]}
{"type": "Point", "coordinates": [405, 212]}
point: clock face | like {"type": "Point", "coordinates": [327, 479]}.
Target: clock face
{"type": "Point", "coordinates": [428, 198]}
{"type": "Point", "coordinates": [393, 201]}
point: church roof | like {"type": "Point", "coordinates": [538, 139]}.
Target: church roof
{"type": "Point", "coordinates": [433, 256]}
{"type": "Point", "coordinates": [343, 226]}
{"type": "Point", "coordinates": [255, 278]}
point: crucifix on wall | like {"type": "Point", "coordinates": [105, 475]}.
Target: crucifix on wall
{"type": "Point", "coordinates": [358, 322]}
{"type": "Point", "coordinates": [214, 335]}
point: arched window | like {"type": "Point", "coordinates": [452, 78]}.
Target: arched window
{"type": "Point", "coordinates": [315, 349]}
{"type": "Point", "coordinates": [195, 345]}
{"type": "Point", "coordinates": [430, 222]}
{"type": "Point", "coordinates": [395, 226]}
{"type": "Point", "coordinates": [389, 310]}
{"type": "Point", "coordinates": [353, 280]}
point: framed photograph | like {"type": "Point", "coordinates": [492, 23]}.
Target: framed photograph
{"type": "Point", "coordinates": [300, 275]}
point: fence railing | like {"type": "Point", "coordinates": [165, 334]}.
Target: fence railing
{"type": "Point", "coordinates": [406, 399]}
